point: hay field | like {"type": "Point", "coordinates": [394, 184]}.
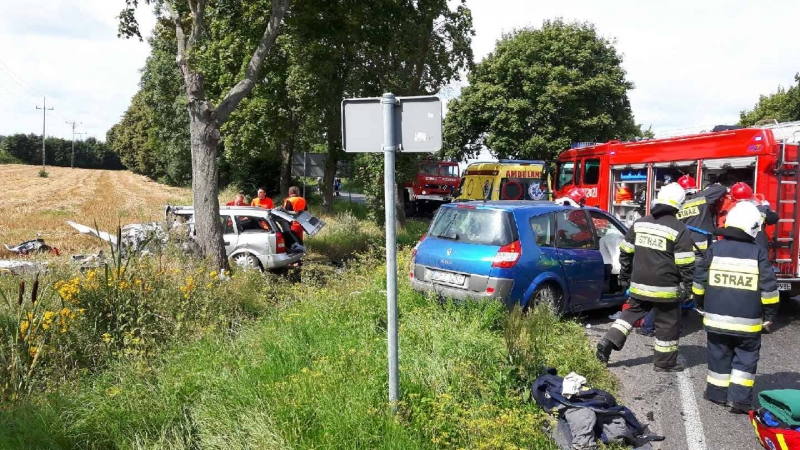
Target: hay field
{"type": "Point", "coordinates": [31, 204]}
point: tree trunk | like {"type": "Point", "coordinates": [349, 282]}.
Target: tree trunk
{"type": "Point", "coordinates": [205, 185]}
{"type": "Point", "coordinates": [287, 152]}
{"type": "Point", "coordinates": [399, 204]}
{"type": "Point", "coordinates": [334, 149]}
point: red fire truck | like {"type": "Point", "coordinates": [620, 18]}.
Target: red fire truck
{"type": "Point", "coordinates": [624, 177]}
{"type": "Point", "coordinates": [435, 184]}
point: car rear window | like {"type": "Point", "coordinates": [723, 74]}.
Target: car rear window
{"type": "Point", "coordinates": [474, 226]}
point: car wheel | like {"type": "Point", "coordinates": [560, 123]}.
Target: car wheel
{"type": "Point", "coordinates": [550, 295]}
{"type": "Point", "coordinates": [246, 261]}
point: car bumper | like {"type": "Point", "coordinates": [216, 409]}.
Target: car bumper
{"type": "Point", "coordinates": [434, 198]}
{"type": "Point", "coordinates": [280, 260]}
{"type": "Point", "coordinates": [477, 287]}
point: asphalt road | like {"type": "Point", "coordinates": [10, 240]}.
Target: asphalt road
{"type": "Point", "coordinates": [672, 404]}
{"type": "Point", "coordinates": [352, 196]}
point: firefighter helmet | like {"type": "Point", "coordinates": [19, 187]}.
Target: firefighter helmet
{"type": "Point", "coordinates": [671, 195]}
{"type": "Point", "coordinates": [688, 183]}
{"type": "Point", "coordinates": [746, 217]}
{"type": "Point", "coordinates": [577, 195]}
{"type": "Point", "coordinates": [741, 191]}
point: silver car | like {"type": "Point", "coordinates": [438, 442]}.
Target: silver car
{"type": "Point", "coordinates": [255, 237]}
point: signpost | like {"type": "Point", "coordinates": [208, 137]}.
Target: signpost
{"type": "Point", "coordinates": [391, 124]}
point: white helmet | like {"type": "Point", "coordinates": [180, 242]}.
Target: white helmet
{"type": "Point", "coordinates": [746, 217]}
{"type": "Point", "coordinates": [671, 195]}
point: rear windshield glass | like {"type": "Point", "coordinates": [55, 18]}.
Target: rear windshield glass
{"type": "Point", "coordinates": [474, 226]}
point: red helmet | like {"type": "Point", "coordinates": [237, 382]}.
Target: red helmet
{"type": "Point", "coordinates": [741, 191]}
{"type": "Point", "coordinates": [687, 182]}
{"type": "Point", "coordinates": [577, 195]}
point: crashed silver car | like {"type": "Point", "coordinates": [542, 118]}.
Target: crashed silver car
{"type": "Point", "coordinates": [255, 237]}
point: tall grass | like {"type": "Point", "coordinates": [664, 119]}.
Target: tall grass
{"type": "Point", "coordinates": [312, 374]}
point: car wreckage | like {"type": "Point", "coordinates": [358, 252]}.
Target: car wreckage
{"type": "Point", "coordinates": [254, 237]}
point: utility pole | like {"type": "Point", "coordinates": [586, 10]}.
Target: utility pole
{"type": "Point", "coordinates": [44, 109]}
{"type": "Point", "coordinates": [72, 159]}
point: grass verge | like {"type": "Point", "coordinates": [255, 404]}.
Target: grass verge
{"type": "Point", "coordinates": [312, 374]}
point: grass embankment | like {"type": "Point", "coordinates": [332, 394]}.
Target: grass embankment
{"type": "Point", "coordinates": [312, 374]}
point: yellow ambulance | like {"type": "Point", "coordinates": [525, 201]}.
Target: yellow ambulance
{"type": "Point", "coordinates": [505, 179]}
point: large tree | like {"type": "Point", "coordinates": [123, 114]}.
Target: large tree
{"type": "Point", "coordinates": [783, 106]}
{"type": "Point", "coordinates": [539, 91]}
{"type": "Point", "coordinates": [205, 115]}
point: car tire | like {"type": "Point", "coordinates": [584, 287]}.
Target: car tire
{"type": "Point", "coordinates": [548, 294]}
{"type": "Point", "coordinates": [246, 261]}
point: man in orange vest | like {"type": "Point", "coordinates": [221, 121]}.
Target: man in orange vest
{"type": "Point", "coordinates": [297, 204]}
{"type": "Point", "coordinates": [262, 200]}
{"type": "Point", "coordinates": [238, 200]}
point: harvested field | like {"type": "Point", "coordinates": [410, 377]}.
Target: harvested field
{"type": "Point", "coordinates": [32, 204]}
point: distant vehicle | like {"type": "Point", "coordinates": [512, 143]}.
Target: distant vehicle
{"type": "Point", "coordinates": [434, 185]}
{"type": "Point", "coordinates": [520, 252]}
{"type": "Point", "coordinates": [506, 179]}
{"type": "Point", "coordinates": [257, 238]}
{"type": "Point", "coordinates": [624, 178]}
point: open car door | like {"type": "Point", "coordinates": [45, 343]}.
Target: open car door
{"type": "Point", "coordinates": [310, 223]}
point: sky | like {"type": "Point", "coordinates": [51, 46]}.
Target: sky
{"type": "Point", "coordinates": [694, 64]}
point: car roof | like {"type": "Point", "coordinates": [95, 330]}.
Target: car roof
{"type": "Point", "coordinates": [252, 210]}
{"type": "Point", "coordinates": [540, 206]}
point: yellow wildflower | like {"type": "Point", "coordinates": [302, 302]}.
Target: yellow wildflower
{"type": "Point", "coordinates": [23, 326]}
{"type": "Point", "coordinates": [106, 337]}
{"type": "Point", "coordinates": [33, 351]}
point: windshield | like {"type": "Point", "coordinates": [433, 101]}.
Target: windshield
{"type": "Point", "coordinates": [565, 173]}
{"type": "Point", "coordinates": [473, 226]}
{"type": "Point", "coordinates": [448, 171]}
{"type": "Point", "coordinates": [429, 169]}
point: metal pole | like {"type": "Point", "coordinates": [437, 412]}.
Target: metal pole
{"type": "Point", "coordinates": [305, 174]}
{"type": "Point", "coordinates": [389, 148]}
{"type": "Point", "coordinates": [44, 109]}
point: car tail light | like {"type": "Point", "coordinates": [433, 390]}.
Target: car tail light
{"type": "Point", "coordinates": [507, 256]}
{"type": "Point", "coordinates": [280, 243]}
{"type": "Point", "coordinates": [414, 250]}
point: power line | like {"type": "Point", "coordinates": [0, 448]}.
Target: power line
{"type": "Point", "coordinates": [17, 79]}
{"type": "Point", "coordinates": [14, 94]}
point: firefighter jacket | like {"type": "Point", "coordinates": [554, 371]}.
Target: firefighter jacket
{"type": "Point", "coordinates": [656, 256]}
{"type": "Point", "coordinates": [736, 285]}
{"type": "Point", "coordinates": [699, 212]}
{"type": "Point", "coordinates": [770, 218]}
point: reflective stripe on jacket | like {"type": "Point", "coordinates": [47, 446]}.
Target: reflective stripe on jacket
{"type": "Point", "coordinates": [700, 210]}
{"type": "Point", "coordinates": [656, 256]}
{"type": "Point", "coordinates": [736, 285]}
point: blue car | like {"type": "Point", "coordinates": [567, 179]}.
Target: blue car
{"type": "Point", "coordinates": [520, 252]}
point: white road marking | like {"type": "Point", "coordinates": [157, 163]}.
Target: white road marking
{"type": "Point", "coordinates": [695, 437]}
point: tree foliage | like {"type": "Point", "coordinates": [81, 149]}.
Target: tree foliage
{"type": "Point", "coordinates": [539, 91]}
{"type": "Point", "coordinates": [89, 153]}
{"type": "Point", "coordinates": [783, 106]}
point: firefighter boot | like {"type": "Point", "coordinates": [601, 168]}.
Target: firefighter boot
{"type": "Point", "coordinates": [604, 348]}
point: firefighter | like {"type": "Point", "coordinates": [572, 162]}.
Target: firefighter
{"type": "Point", "coordinates": [655, 258]}
{"type": "Point", "coordinates": [742, 192]}
{"type": "Point", "coordinates": [575, 197]}
{"type": "Point", "coordinates": [736, 284]}
{"type": "Point", "coordinates": [699, 209]}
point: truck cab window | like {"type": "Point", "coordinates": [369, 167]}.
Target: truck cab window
{"type": "Point", "coordinates": [566, 173]}
{"type": "Point", "coordinates": [591, 171]}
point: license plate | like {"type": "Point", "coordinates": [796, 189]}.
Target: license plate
{"type": "Point", "coordinates": [784, 286]}
{"type": "Point", "coordinates": [448, 277]}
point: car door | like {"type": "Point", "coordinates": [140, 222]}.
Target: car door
{"type": "Point", "coordinates": [229, 236]}
{"type": "Point", "coordinates": [310, 223]}
{"type": "Point", "coordinates": [543, 228]}
{"type": "Point", "coordinates": [579, 256]}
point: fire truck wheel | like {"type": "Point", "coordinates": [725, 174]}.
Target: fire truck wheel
{"type": "Point", "coordinates": [411, 208]}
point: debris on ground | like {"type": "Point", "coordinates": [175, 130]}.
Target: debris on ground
{"type": "Point", "coordinates": [33, 246]}
{"type": "Point", "coordinates": [582, 415]}
{"type": "Point", "coordinates": [135, 236]}
{"type": "Point", "coordinates": [8, 267]}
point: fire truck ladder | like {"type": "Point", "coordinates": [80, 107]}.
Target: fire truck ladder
{"type": "Point", "coordinates": [788, 175]}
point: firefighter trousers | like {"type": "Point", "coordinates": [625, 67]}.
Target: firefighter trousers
{"type": "Point", "coordinates": [732, 364]}
{"type": "Point", "coordinates": [667, 323]}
